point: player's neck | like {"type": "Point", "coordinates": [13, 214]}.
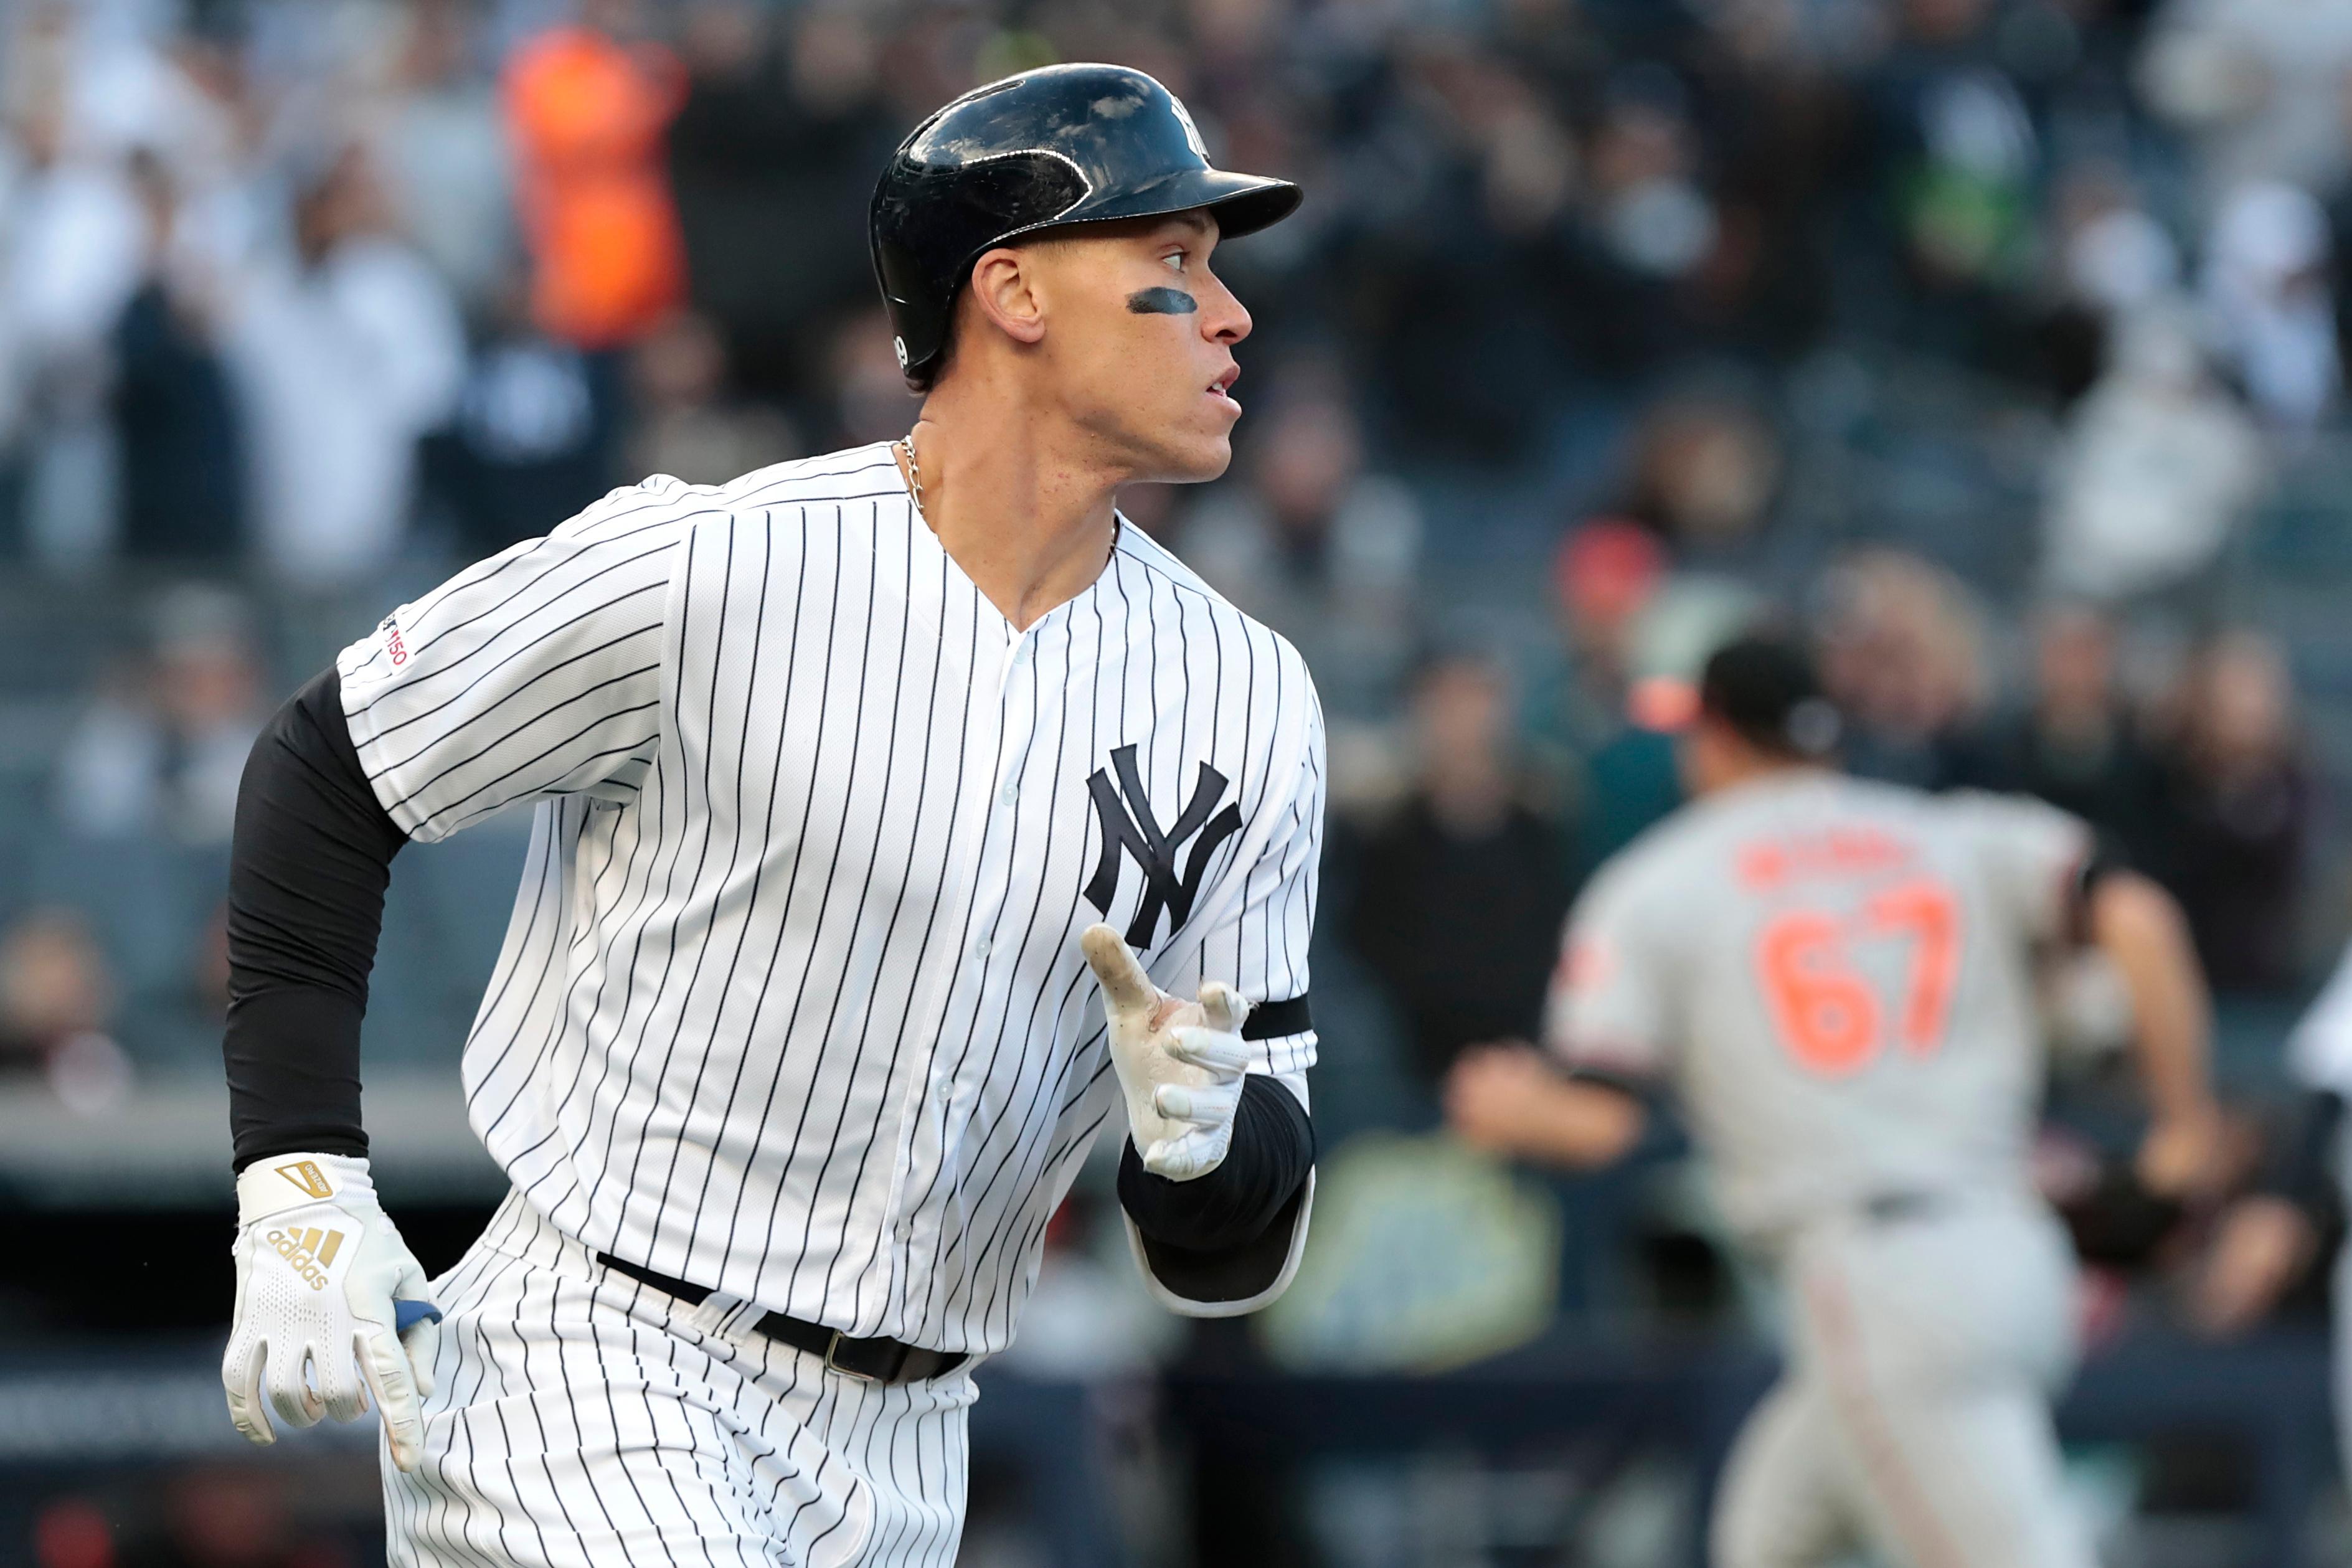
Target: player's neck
{"type": "Point", "coordinates": [1733, 773]}
{"type": "Point", "coordinates": [1014, 501]}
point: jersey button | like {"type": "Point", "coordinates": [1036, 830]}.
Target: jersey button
{"type": "Point", "coordinates": [1010, 794]}
{"type": "Point", "coordinates": [979, 948]}
{"type": "Point", "coordinates": [946, 1090]}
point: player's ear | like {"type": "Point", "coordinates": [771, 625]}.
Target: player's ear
{"type": "Point", "coordinates": [1004, 291]}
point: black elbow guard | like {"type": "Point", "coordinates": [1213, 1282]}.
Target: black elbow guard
{"type": "Point", "coordinates": [1273, 1150]}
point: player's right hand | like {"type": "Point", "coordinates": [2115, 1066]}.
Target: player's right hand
{"type": "Point", "coordinates": [2181, 1157]}
{"type": "Point", "coordinates": [1180, 1064]}
{"type": "Point", "coordinates": [324, 1287]}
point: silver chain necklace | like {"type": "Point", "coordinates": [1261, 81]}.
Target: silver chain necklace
{"type": "Point", "coordinates": [914, 480]}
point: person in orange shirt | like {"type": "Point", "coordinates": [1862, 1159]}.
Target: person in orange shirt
{"type": "Point", "coordinates": [588, 106]}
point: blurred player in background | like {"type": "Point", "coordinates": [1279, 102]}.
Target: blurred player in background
{"type": "Point", "coordinates": [1836, 977]}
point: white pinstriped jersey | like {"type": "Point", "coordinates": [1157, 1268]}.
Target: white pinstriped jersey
{"type": "Point", "coordinates": [792, 1004]}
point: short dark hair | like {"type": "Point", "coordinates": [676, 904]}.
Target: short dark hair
{"type": "Point", "coordinates": [1764, 688]}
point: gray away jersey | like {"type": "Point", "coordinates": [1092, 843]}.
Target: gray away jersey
{"type": "Point", "coordinates": [792, 1004]}
{"type": "Point", "coordinates": [1836, 976]}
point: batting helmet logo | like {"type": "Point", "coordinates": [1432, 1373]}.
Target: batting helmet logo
{"type": "Point", "coordinates": [1192, 131]}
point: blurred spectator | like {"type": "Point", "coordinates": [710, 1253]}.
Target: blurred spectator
{"type": "Point", "coordinates": [183, 474]}
{"type": "Point", "coordinates": [1604, 716]}
{"type": "Point", "coordinates": [533, 441]}
{"type": "Point", "coordinates": [161, 748]}
{"type": "Point", "coordinates": [1959, 155]}
{"type": "Point", "coordinates": [1480, 295]}
{"type": "Point", "coordinates": [1322, 550]}
{"type": "Point", "coordinates": [72, 240]}
{"type": "Point", "coordinates": [773, 157]}
{"type": "Point", "coordinates": [1605, 573]}
{"type": "Point", "coordinates": [1465, 840]}
{"type": "Point", "coordinates": [587, 105]}
{"type": "Point", "coordinates": [2259, 83]}
{"type": "Point", "coordinates": [1584, 721]}
{"type": "Point", "coordinates": [2114, 257]}
{"type": "Point", "coordinates": [1654, 218]}
{"type": "Point", "coordinates": [2077, 743]}
{"type": "Point", "coordinates": [2155, 467]}
{"type": "Point", "coordinates": [56, 1002]}
{"type": "Point", "coordinates": [344, 353]}
{"type": "Point", "coordinates": [444, 152]}
{"type": "Point", "coordinates": [1705, 468]}
{"type": "Point", "coordinates": [1903, 655]}
{"type": "Point", "coordinates": [2112, 260]}
{"type": "Point", "coordinates": [2268, 282]}
{"type": "Point", "coordinates": [2243, 800]}
{"type": "Point", "coordinates": [687, 426]}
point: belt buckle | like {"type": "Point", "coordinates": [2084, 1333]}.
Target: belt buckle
{"type": "Point", "coordinates": [832, 1361]}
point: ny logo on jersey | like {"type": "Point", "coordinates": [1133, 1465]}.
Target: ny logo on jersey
{"type": "Point", "coordinates": [1129, 828]}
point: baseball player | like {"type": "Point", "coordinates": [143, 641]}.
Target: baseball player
{"type": "Point", "coordinates": [1836, 977]}
{"type": "Point", "coordinates": [843, 776]}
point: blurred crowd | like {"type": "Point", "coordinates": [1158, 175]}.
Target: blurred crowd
{"type": "Point", "coordinates": [299, 284]}
{"type": "Point", "coordinates": [2000, 344]}
{"type": "Point", "coordinates": [1971, 335]}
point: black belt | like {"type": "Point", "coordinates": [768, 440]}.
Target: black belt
{"type": "Point", "coordinates": [876, 1360]}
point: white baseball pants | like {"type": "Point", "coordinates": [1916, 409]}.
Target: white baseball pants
{"type": "Point", "coordinates": [1914, 1417]}
{"type": "Point", "coordinates": [582, 1420]}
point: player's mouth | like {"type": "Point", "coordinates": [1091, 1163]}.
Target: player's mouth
{"type": "Point", "coordinates": [1222, 388]}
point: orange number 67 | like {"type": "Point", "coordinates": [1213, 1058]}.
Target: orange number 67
{"type": "Point", "coordinates": [1826, 1013]}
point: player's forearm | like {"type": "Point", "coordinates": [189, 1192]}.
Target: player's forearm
{"type": "Point", "coordinates": [1583, 1123]}
{"type": "Point", "coordinates": [2140, 928]}
{"type": "Point", "coordinates": [1272, 1151]}
{"type": "Point", "coordinates": [310, 861]}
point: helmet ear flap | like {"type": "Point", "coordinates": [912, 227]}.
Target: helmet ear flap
{"type": "Point", "coordinates": [926, 237]}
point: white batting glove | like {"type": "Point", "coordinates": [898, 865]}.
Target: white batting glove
{"type": "Point", "coordinates": [330, 1305]}
{"type": "Point", "coordinates": [1181, 1063]}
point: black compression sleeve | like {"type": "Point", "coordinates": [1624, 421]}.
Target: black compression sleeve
{"type": "Point", "coordinates": [2301, 1168]}
{"type": "Point", "coordinates": [1271, 1150]}
{"type": "Point", "coordinates": [307, 876]}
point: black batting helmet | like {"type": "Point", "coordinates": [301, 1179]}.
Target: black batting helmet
{"type": "Point", "coordinates": [1047, 149]}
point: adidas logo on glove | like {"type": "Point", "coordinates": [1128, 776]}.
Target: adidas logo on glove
{"type": "Point", "coordinates": [311, 1251]}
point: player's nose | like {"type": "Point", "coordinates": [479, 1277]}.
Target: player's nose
{"type": "Point", "coordinates": [1224, 318]}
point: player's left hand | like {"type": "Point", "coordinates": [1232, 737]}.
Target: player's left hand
{"type": "Point", "coordinates": [331, 1307]}
{"type": "Point", "coordinates": [2261, 1248]}
{"type": "Point", "coordinates": [1181, 1064]}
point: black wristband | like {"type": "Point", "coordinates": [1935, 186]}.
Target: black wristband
{"type": "Point", "coordinates": [1273, 1149]}
{"type": "Point", "coordinates": [308, 871]}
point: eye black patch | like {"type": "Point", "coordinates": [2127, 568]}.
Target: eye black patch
{"type": "Point", "coordinates": [1161, 302]}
